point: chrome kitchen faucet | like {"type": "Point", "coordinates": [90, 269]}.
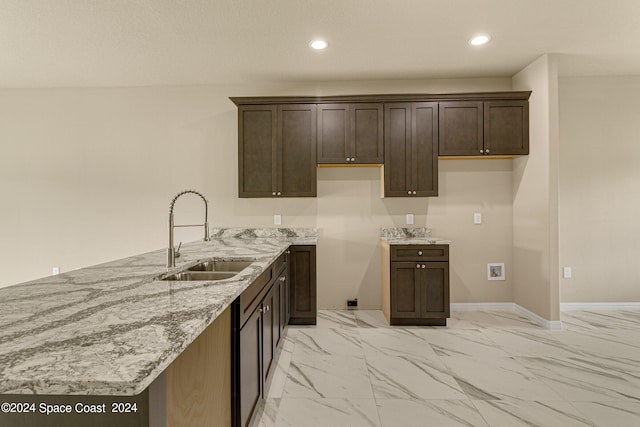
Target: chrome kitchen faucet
{"type": "Point", "coordinates": [172, 253]}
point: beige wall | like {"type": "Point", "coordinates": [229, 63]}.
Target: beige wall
{"type": "Point", "coordinates": [535, 195]}
{"type": "Point", "coordinates": [600, 188]}
{"type": "Point", "coordinates": [86, 176]}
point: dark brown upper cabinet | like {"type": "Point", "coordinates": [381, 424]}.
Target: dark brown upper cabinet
{"type": "Point", "coordinates": [350, 133]}
{"type": "Point", "coordinates": [411, 149]}
{"type": "Point", "coordinates": [484, 128]}
{"type": "Point", "coordinates": [277, 150]}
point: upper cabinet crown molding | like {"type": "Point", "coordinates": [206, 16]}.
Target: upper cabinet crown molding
{"type": "Point", "coordinates": [404, 97]}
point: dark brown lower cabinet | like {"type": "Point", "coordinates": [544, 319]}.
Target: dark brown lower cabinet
{"type": "Point", "coordinates": [302, 274]}
{"type": "Point", "coordinates": [259, 316]}
{"type": "Point", "coordinates": [418, 285]}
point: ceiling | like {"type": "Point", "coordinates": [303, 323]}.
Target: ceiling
{"type": "Point", "coordinates": [79, 43]}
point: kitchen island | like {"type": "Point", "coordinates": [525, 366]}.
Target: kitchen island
{"type": "Point", "coordinates": [114, 329]}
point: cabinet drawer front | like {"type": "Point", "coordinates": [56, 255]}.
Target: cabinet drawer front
{"type": "Point", "coordinates": [251, 297]}
{"type": "Point", "coordinates": [280, 263]}
{"type": "Point", "coordinates": [419, 252]}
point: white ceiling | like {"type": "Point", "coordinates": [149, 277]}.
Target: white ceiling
{"type": "Point", "coordinates": [68, 43]}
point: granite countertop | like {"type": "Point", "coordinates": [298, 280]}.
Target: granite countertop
{"type": "Point", "coordinates": [112, 329]}
{"type": "Point", "coordinates": [410, 236]}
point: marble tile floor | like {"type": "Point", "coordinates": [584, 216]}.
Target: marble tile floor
{"type": "Point", "coordinates": [484, 369]}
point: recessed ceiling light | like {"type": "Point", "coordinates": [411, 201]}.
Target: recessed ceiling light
{"type": "Point", "coordinates": [479, 40]}
{"type": "Point", "coordinates": [318, 44]}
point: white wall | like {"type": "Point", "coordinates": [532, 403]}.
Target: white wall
{"type": "Point", "coordinates": [600, 188]}
{"type": "Point", "coordinates": [535, 197]}
{"type": "Point", "coordinates": [86, 176]}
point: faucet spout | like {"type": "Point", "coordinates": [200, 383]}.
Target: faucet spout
{"type": "Point", "coordinates": [171, 252]}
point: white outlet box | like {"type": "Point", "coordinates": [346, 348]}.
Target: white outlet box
{"type": "Point", "coordinates": [477, 218]}
{"type": "Point", "coordinates": [409, 219]}
{"type": "Point", "coordinates": [277, 220]}
{"type": "Point", "coordinates": [55, 270]}
{"type": "Point", "coordinates": [566, 272]}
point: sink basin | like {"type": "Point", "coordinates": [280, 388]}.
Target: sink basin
{"type": "Point", "coordinates": [210, 270]}
{"type": "Point", "coordinates": [226, 266]}
{"type": "Point", "coordinates": [200, 275]}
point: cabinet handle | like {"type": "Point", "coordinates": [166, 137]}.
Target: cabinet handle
{"type": "Point", "coordinates": [409, 192]}
{"type": "Point", "coordinates": [481, 151]}
{"type": "Point", "coordinates": [348, 159]}
{"type": "Point", "coordinates": [424, 265]}
{"type": "Point", "coordinates": [486, 151]}
{"type": "Point", "coordinates": [282, 279]}
{"type": "Point", "coordinates": [288, 252]}
{"type": "Point", "coordinates": [420, 253]}
{"type": "Point", "coordinates": [414, 191]}
{"type": "Point", "coordinates": [274, 193]}
{"type": "Point", "coordinates": [353, 159]}
{"type": "Point", "coordinates": [279, 193]}
{"type": "Point", "coordinates": [417, 265]}
{"type": "Point", "coordinates": [261, 310]}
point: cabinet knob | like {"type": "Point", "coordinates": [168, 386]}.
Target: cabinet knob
{"type": "Point", "coordinates": [282, 279]}
{"type": "Point", "coordinates": [486, 151]}
{"type": "Point", "coordinates": [417, 265]}
{"type": "Point", "coordinates": [409, 192]}
{"type": "Point", "coordinates": [481, 151]}
{"type": "Point", "coordinates": [419, 252]}
{"type": "Point", "coordinates": [424, 265]}
{"type": "Point", "coordinates": [279, 193]}
{"type": "Point", "coordinates": [414, 191]}
{"type": "Point", "coordinates": [353, 159]}
{"type": "Point", "coordinates": [348, 159]}
{"type": "Point", "coordinates": [260, 310]}
{"type": "Point", "coordinates": [274, 193]}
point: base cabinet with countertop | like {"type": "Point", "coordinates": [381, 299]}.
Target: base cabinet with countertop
{"type": "Point", "coordinates": [415, 284]}
{"type": "Point", "coordinates": [259, 317]}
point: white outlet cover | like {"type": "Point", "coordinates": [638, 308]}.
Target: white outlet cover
{"type": "Point", "coordinates": [566, 272]}
{"type": "Point", "coordinates": [277, 220]}
{"type": "Point", "coordinates": [477, 218]}
{"type": "Point", "coordinates": [409, 219]}
{"type": "Point", "coordinates": [55, 270]}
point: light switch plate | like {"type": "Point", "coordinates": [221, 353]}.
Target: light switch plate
{"type": "Point", "coordinates": [277, 220]}
{"type": "Point", "coordinates": [409, 219]}
{"type": "Point", "coordinates": [566, 272]}
{"type": "Point", "coordinates": [55, 271]}
{"type": "Point", "coordinates": [477, 218]}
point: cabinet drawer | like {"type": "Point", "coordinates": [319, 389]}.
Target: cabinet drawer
{"type": "Point", "coordinates": [251, 297]}
{"type": "Point", "coordinates": [420, 253]}
{"type": "Point", "coordinates": [280, 263]}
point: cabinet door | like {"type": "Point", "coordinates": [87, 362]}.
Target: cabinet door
{"type": "Point", "coordinates": [405, 290]}
{"type": "Point", "coordinates": [333, 133]}
{"type": "Point", "coordinates": [250, 377]}
{"type": "Point", "coordinates": [256, 150]}
{"type": "Point", "coordinates": [424, 148]}
{"type": "Point", "coordinates": [296, 152]}
{"type": "Point", "coordinates": [269, 327]}
{"type": "Point", "coordinates": [397, 149]}
{"type": "Point", "coordinates": [303, 285]}
{"type": "Point", "coordinates": [367, 133]}
{"type": "Point", "coordinates": [506, 127]}
{"type": "Point", "coordinates": [434, 290]}
{"type": "Point", "coordinates": [460, 132]}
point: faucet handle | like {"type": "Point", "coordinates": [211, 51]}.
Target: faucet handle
{"type": "Point", "coordinates": [177, 252]}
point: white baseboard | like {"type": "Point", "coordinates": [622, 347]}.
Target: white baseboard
{"type": "Point", "coordinates": [507, 306]}
{"type": "Point", "coordinates": [599, 306]}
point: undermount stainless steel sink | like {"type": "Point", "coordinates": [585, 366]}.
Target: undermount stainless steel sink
{"type": "Point", "coordinates": [221, 266]}
{"type": "Point", "coordinates": [188, 276]}
{"type": "Point", "coordinates": [209, 271]}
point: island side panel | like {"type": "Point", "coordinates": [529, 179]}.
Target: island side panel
{"type": "Point", "coordinates": [198, 382]}
{"type": "Point", "coordinates": [386, 281]}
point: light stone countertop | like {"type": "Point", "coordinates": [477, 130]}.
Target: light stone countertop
{"type": "Point", "coordinates": [410, 236]}
{"type": "Point", "coordinates": [111, 329]}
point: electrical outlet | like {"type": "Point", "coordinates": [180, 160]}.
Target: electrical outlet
{"type": "Point", "coordinates": [477, 218]}
{"type": "Point", "coordinates": [352, 304]}
{"type": "Point", "coordinates": [409, 219]}
{"type": "Point", "coordinates": [566, 272]}
{"type": "Point", "coordinates": [277, 220]}
{"type": "Point", "coordinates": [55, 270]}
